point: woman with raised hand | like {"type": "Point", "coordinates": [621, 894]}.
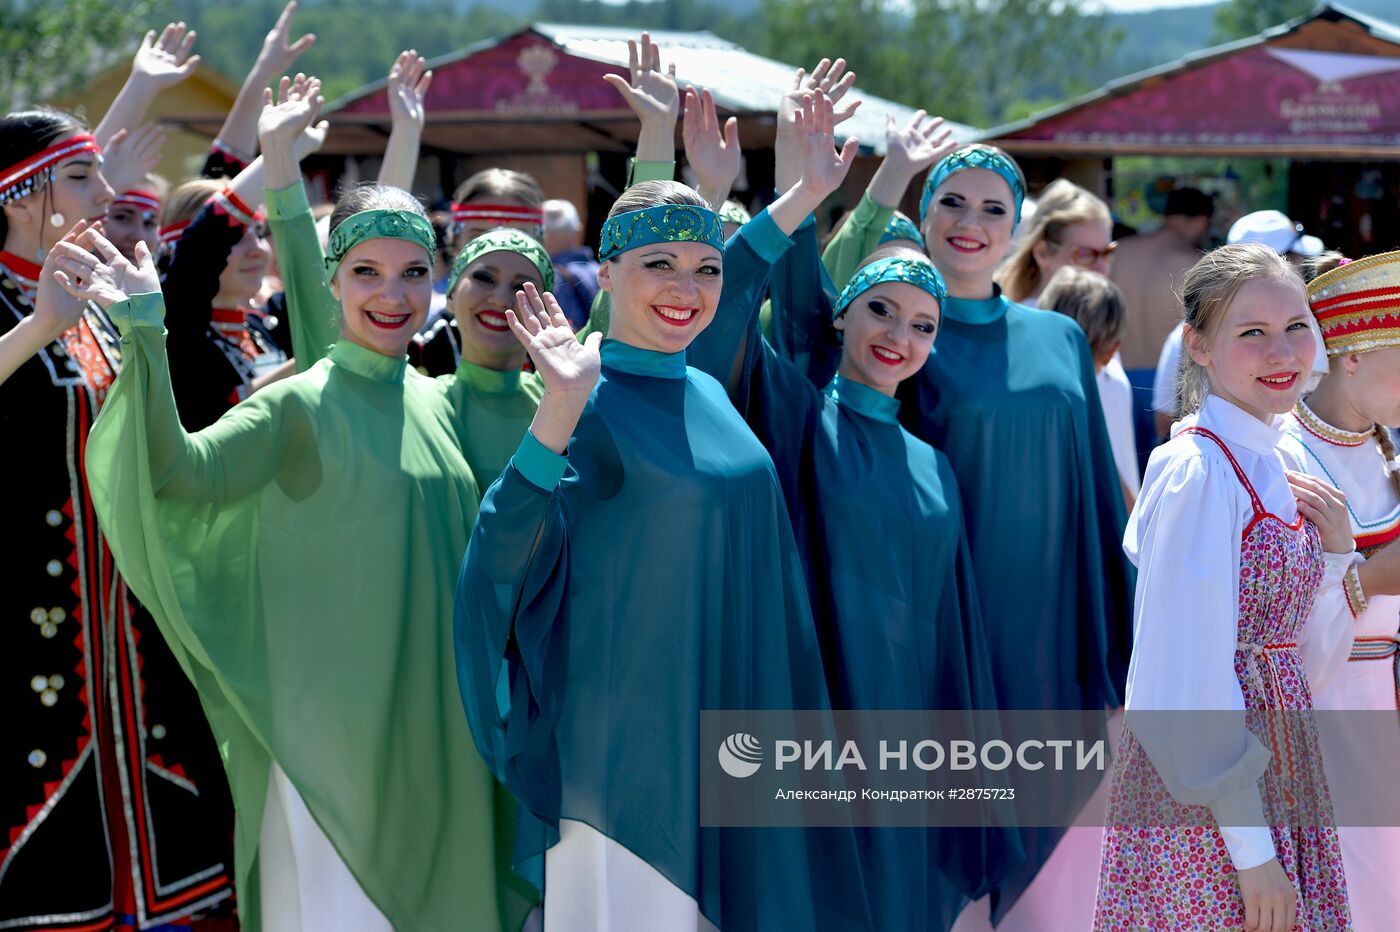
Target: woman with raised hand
{"type": "Point", "coordinates": [112, 783]}
{"type": "Point", "coordinates": [1345, 429]}
{"type": "Point", "coordinates": [877, 516]}
{"type": "Point", "coordinates": [633, 565]}
{"type": "Point", "coordinates": [299, 556]}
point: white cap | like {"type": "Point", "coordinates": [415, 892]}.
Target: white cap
{"type": "Point", "coordinates": [1274, 229]}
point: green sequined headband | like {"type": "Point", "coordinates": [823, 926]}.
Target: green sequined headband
{"type": "Point", "coordinates": [734, 212]}
{"type": "Point", "coordinates": [667, 223]}
{"type": "Point", "coordinates": [901, 227]}
{"type": "Point", "coordinates": [910, 271]}
{"type": "Point", "coordinates": [378, 224]}
{"type": "Point", "coordinates": [503, 240]}
{"type": "Point", "coordinates": [976, 156]}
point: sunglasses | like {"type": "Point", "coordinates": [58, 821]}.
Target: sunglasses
{"type": "Point", "coordinates": [1086, 256]}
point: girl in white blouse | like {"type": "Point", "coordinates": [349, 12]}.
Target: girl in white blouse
{"type": "Point", "coordinates": [1211, 827]}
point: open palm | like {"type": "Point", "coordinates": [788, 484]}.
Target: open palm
{"type": "Point", "coordinates": [91, 268]}
{"type": "Point", "coordinates": [823, 167]}
{"type": "Point", "coordinates": [651, 93]}
{"type": "Point", "coordinates": [166, 61]}
{"type": "Point", "coordinates": [566, 366]}
{"type": "Point", "coordinates": [408, 84]}
{"type": "Point", "coordinates": [919, 144]}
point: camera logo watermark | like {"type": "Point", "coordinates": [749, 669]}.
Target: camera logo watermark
{"type": "Point", "coordinates": [740, 755]}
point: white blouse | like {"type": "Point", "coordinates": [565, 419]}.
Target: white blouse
{"type": "Point", "coordinates": [1184, 537]}
{"type": "Point", "coordinates": [1116, 397]}
{"type": "Point", "coordinates": [1355, 464]}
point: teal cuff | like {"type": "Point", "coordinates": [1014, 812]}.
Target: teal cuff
{"type": "Point", "coordinates": [764, 237]}
{"type": "Point", "coordinates": [639, 171]}
{"type": "Point", "coordinates": [540, 465]}
{"type": "Point", "coordinates": [287, 203]}
{"type": "Point", "coordinates": [139, 310]}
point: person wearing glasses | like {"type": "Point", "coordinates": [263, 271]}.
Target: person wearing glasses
{"type": "Point", "coordinates": [1070, 227]}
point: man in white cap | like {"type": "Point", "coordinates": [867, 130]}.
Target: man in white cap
{"type": "Point", "coordinates": [1272, 228]}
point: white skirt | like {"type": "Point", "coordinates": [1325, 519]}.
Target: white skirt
{"type": "Point", "coordinates": [593, 884]}
{"type": "Point", "coordinates": [304, 884]}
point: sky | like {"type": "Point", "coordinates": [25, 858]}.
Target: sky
{"type": "Point", "coordinates": [1137, 6]}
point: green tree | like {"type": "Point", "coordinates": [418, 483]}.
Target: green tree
{"type": "Point", "coordinates": [44, 44]}
{"type": "Point", "coordinates": [1239, 19]}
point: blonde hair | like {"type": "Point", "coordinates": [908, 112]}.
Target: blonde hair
{"type": "Point", "coordinates": [1062, 204]}
{"type": "Point", "coordinates": [1209, 287]}
{"type": "Point", "coordinates": [1095, 303]}
{"type": "Point", "coordinates": [1321, 265]}
{"type": "Point", "coordinates": [186, 200]}
{"type": "Point", "coordinates": [654, 194]}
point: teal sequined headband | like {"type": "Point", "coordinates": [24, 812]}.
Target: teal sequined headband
{"type": "Point", "coordinates": [901, 227]}
{"type": "Point", "coordinates": [914, 272]}
{"type": "Point", "coordinates": [975, 156]}
{"type": "Point", "coordinates": [377, 224]}
{"type": "Point", "coordinates": [504, 240]}
{"type": "Point", "coordinates": [666, 223]}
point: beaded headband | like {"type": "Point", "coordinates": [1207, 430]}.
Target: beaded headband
{"type": "Point", "coordinates": [901, 227]}
{"type": "Point", "coordinates": [225, 203]}
{"type": "Point", "coordinates": [503, 240]}
{"type": "Point", "coordinates": [665, 223]}
{"type": "Point", "coordinates": [497, 213]}
{"type": "Point", "coordinates": [976, 156]}
{"type": "Point", "coordinates": [378, 224]}
{"type": "Point", "coordinates": [914, 272]}
{"type": "Point", "coordinates": [734, 212]}
{"type": "Point", "coordinates": [144, 201]}
{"type": "Point", "coordinates": [1358, 304]}
{"type": "Point", "coordinates": [18, 180]}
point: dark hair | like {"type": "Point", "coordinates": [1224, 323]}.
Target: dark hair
{"type": "Point", "coordinates": [1189, 202]}
{"type": "Point", "coordinates": [369, 195]}
{"type": "Point", "coordinates": [655, 194]}
{"type": "Point", "coordinates": [28, 133]}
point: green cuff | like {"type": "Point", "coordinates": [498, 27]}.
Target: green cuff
{"type": "Point", "coordinates": [764, 237]}
{"type": "Point", "coordinates": [540, 465]}
{"type": "Point", "coordinates": [288, 202]}
{"type": "Point", "coordinates": [868, 213]}
{"type": "Point", "coordinates": [639, 171]}
{"type": "Point", "coordinates": [139, 310]}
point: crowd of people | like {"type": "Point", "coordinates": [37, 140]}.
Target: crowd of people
{"type": "Point", "coordinates": [378, 571]}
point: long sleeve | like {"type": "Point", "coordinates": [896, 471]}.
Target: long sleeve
{"type": "Point", "coordinates": [313, 311]}
{"type": "Point", "coordinates": [858, 237]}
{"type": "Point", "coordinates": [238, 454]}
{"type": "Point", "coordinates": [1185, 535]}
{"type": "Point", "coordinates": [749, 257]}
{"type": "Point", "coordinates": [510, 599]}
{"type": "Point", "coordinates": [801, 296]}
{"type": "Point", "coordinates": [1327, 637]}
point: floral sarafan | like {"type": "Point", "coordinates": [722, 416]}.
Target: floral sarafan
{"type": "Point", "coordinates": [667, 223]}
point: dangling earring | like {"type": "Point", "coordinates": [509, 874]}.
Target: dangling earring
{"type": "Point", "coordinates": [57, 220]}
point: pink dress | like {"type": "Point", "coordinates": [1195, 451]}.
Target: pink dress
{"type": "Point", "coordinates": [1175, 872]}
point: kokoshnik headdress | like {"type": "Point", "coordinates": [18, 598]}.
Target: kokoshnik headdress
{"type": "Point", "coordinates": [1358, 305]}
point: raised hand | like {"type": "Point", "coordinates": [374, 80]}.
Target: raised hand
{"type": "Point", "coordinates": [131, 155]}
{"type": "Point", "coordinates": [90, 268]}
{"type": "Point", "coordinates": [567, 367]}
{"type": "Point", "coordinates": [823, 168]}
{"type": "Point", "coordinates": [832, 79]}
{"type": "Point", "coordinates": [920, 144]}
{"type": "Point", "coordinates": [290, 113]}
{"type": "Point", "coordinates": [278, 52]}
{"type": "Point", "coordinates": [712, 151]}
{"type": "Point", "coordinates": [651, 94]}
{"type": "Point", "coordinates": [408, 84]}
{"type": "Point", "coordinates": [55, 310]}
{"type": "Point", "coordinates": [165, 61]}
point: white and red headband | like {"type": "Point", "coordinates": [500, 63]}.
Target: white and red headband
{"type": "Point", "coordinates": [497, 214]}
{"type": "Point", "coordinates": [144, 201]}
{"type": "Point", "coordinates": [19, 179]}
